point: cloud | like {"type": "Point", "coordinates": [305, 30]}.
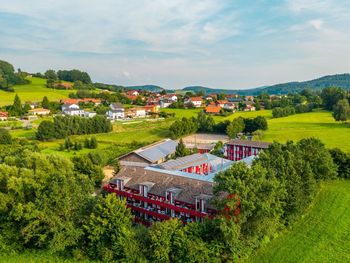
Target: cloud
{"type": "Point", "coordinates": [222, 43]}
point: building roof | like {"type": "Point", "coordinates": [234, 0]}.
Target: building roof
{"type": "Point", "coordinates": [212, 109]}
{"type": "Point", "coordinates": [187, 188]}
{"type": "Point", "coordinates": [191, 160]}
{"type": "Point", "coordinates": [196, 99]}
{"type": "Point", "coordinates": [4, 114]}
{"type": "Point", "coordinates": [156, 151]}
{"type": "Point", "coordinates": [117, 105]}
{"type": "Point", "coordinates": [256, 144]}
{"type": "Point", "coordinates": [222, 101]}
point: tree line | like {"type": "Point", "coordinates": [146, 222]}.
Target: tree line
{"type": "Point", "coordinates": [206, 123]}
{"type": "Point", "coordinates": [63, 126]}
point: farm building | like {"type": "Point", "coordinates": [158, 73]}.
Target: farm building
{"type": "Point", "coordinates": [152, 154]}
{"type": "Point", "coordinates": [239, 149]}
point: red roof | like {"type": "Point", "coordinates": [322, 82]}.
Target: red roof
{"type": "Point", "coordinates": [222, 101]}
{"type": "Point", "coordinates": [196, 99]}
{"type": "Point", "coordinates": [212, 109]}
{"type": "Point", "coordinates": [4, 114]}
{"type": "Point", "coordinates": [71, 101]}
{"type": "Point", "coordinates": [131, 97]}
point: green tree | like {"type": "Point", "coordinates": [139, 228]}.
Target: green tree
{"type": "Point", "coordinates": [16, 108]}
{"type": "Point", "coordinates": [235, 127]}
{"type": "Point", "coordinates": [5, 136]}
{"type": "Point", "coordinates": [50, 74]}
{"type": "Point", "coordinates": [46, 131]}
{"type": "Point", "coordinates": [45, 103]}
{"type": "Point", "coordinates": [330, 97]}
{"type": "Point", "coordinates": [181, 149]}
{"type": "Point", "coordinates": [109, 231]}
{"type": "Point", "coordinates": [342, 160]}
{"type": "Point", "coordinates": [341, 111]}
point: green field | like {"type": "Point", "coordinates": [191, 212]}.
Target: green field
{"type": "Point", "coordinates": [34, 257]}
{"type": "Point", "coordinates": [35, 91]}
{"type": "Point", "coordinates": [321, 235]}
{"type": "Point", "coordinates": [319, 124]}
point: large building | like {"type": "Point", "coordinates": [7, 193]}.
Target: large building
{"type": "Point", "coordinates": [204, 142]}
{"type": "Point", "coordinates": [237, 150]}
{"type": "Point", "coordinates": [181, 188]}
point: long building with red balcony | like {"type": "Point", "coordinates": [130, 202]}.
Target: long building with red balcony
{"type": "Point", "coordinates": [170, 189]}
{"type": "Point", "coordinates": [237, 150]}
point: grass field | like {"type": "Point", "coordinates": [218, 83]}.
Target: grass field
{"type": "Point", "coordinates": [322, 235]}
{"type": "Point", "coordinates": [34, 257]}
{"type": "Point", "coordinates": [35, 91]}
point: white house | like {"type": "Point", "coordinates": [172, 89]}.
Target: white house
{"type": "Point", "coordinates": [117, 111]}
{"type": "Point", "coordinates": [72, 110]}
{"type": "Point", "coordinates": [197, 101]}
{"type": "Point", "coordinates": [165, 103]}
{"type": "Point", "coordinates": [136, 112]}
{"type": "Point", "coordinates": [171, 97]}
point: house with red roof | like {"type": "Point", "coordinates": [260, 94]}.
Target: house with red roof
{"type": "Point", "coordinates": [4, 115]}
{"type": "Point", "coordinates": [196, 101]}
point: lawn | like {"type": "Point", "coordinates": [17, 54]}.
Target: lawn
{"type": "Point", "coordinates": [314, 124]}
{"type": "Point", "coordinates": [321, 235]}
{"type": "Point", "coordinates": [35, 91]}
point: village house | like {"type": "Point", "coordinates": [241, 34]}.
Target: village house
{"type": "Point", "coordinates": [212, 109]}
{"type": "Point", "coordinates": [249, 106]}
{"type": "Point", "coordinates": [132, 93]}
{"type": "Point", "coordinates": [165, 103]}
{"type": "Point", "coordinates": [4, 115]}
{"type": "Point", "coordinates": [132, 97]}
{"type": "Point", "coordinates": [230, 106]}
{"type": "Point", "coordinates": [153, 108]}
{"type": "Point", "coordinates": [171, 97]}
{"type": "Point", "coordinates": [136, 112]}
{"type": "Point", "coordinates": [196, 101]}
{"type": "Point", "coordinates": [221, 103]}
{"type": "Point", "coordinates": [72, 110]}
{"type": "Point", "coordinates": [39, 111]}
{"type": "Point", "coordinates": [249, 98]}
{"type": "Point", "coordinates": [116, 111]}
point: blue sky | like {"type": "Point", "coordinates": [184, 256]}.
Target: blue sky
{"type": "Point", "coordinates": [217, 43]}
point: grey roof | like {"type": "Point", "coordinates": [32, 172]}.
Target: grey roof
{"type": "Point", "coordinates": [117, 106]}
{"type": "Point", "coordinates": [157, 151]}
{"type": "Point", "coordinates": [256, 144]}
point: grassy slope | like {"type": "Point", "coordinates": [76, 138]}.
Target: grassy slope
{"type": "Point", "coordinates": [322, 235]}
{"type": "Point", "coordinates": [35, 91]}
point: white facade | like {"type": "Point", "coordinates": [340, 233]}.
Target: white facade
{"type": "Point", "coordinates": [115, 114]}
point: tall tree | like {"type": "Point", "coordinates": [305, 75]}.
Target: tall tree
{"type": "Point", "coordinates": [16, 108]}
{"type": "Point", "coordinates": [45, 103]}
{"type": "Point", "coordinates": [235, 127]}
{"type": "Point", "coordinates": [341, 111]}
{"type": "Point", "coordinates": [181, 149]}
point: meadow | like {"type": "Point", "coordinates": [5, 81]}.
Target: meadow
{"type": "Point", "coordinates": [321, 235]}
{"type": "Point", "coordinates": [35, 91]}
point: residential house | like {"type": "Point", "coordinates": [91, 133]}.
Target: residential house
{"type": "Point", "coordinates": [136, 112]}
{"type": "Point", "coordinates": [249, 98]}
{"type": "Point", "coordinates": [171, 97]}
{"type": "Point", "coordinates": [221, 103]}
{"type": "Point", "coordinates": [132, 93]}
{"type": "Point", "coordinates": [4, 115]}
{"type": "Point", "coordinates": [153, 108]}
{"type": "Point", "coordinates": [196, 101]}
{"type": "Point", "coordinates": [116, 111]}
{"type": "Point", "coordinates": [165, 103]}
{"type": "Point", "coordinates": [72, 110]}
{"type": "Point", "coordinates": [249, 106]}
{"type": "Point", "coordinates": [39, 111]}
{"type": "Point", "coordinates": [212, 109]}
{"type": "Point", "coordinates": [230, 106]}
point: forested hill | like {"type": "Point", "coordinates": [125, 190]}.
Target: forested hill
{"type": "Point", "coordinates": [339, 80]}
{"type": "Point", "coordinates": [152, 88]}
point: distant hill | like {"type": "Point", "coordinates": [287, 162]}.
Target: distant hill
{"type": "Point", "coordinates": [339, 80]}
{"type": "Point", "coordinates": [152, 88]}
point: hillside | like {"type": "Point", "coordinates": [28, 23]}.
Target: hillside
{"type": "Point", "coordinates": [152, 88]}
{"type": "Point", "coordinates": [339, 80]}
{"type": "Point", "coordinates": [322, 235]}
{"type": "Point", "coordinates": [35, 91]}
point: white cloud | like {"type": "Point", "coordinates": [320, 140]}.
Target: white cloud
{"type": "Point", "coordinates": [316, 23]}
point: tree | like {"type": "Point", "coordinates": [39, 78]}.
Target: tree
{"type": "Point", "coordinates": [342, 160]}
{"type": "Point", "coordinates": [109, 231]}
{"type": "Point", "coordinates": [181, 149]}
{"type": "Point", "coordinates": [5, 136]}
{"type": "Point", "coordinates": [45, 103]}
{"type": "Point", "coordinates": [331, 96]}
{"type": "Point", "coordinates": [341, 111]}
{"type": "Point", "coordinates": [235, 127]}
{"type": "Point", "coordinates": [16, 108]}
{"type": "Point", "coordinates": [46, 131]}
{"type": "Point", "coordinates": [50, 74]}
{"type": "Point", "coordinates": [261, 123]}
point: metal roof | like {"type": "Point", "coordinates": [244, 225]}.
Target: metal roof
{"type": "Point", "coordinates": [157, 151]}
{"type": "Point", "coordinates": [257, 144]}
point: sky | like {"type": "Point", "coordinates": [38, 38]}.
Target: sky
{"type": "Point", "coordinates": [229, 44]}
